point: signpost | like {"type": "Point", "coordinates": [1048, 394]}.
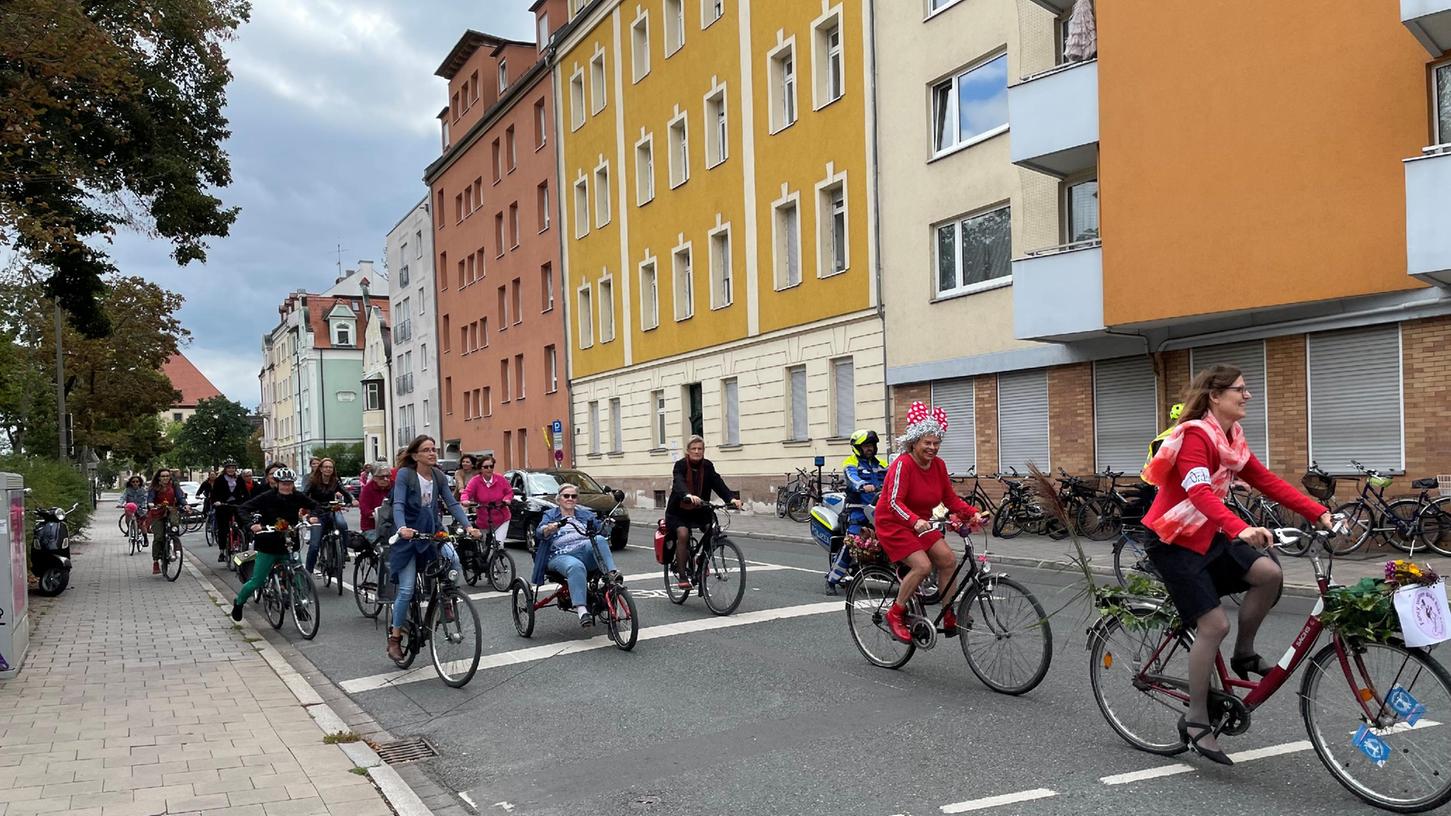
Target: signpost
{"type": "Point", "coordinates": [556, 434]}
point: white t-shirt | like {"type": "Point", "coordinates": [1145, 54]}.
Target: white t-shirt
{"type": "Point", "coordinates": [425, 489]}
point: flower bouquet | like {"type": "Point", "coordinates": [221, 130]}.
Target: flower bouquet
{"type": "Point", "coordinates": [281, 526]}
{"type": "Point", "coordinates": [864, 547]}
{"type": "Point", "coordinates": [1366, 609]}
{"type": "Point", "coordinates": [441, 535]}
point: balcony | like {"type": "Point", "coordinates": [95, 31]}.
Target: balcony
{"type": "Point", "coordinates": [1058, 293]}
{"type": "Point", "coordinates": [1429, 21]}
{"type": "Point", "coordinates": [402, 332]}
{"type": "Point", "coordinates": [1056, 7]}
{"type": "Point", "coordinates": [1428, 199]}
{"type": "Point", "coordinates": [1053, 118]}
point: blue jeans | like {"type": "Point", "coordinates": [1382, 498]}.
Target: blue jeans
{"type": "Point", "coordinates": [575, 567]}
{"type": "Point", "coordinates": [326, 520]}
{"type": "Point", "coordinates": [408, 581]}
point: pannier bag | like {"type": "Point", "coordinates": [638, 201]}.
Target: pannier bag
{"type": "Point", "coordinates": [660, 542]}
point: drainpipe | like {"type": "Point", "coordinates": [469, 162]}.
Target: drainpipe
{"type": "Point", "coordinates": [876, 211]}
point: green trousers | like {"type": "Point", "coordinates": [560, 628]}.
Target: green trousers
{"type": "Point", "coordinates": [261, 568]}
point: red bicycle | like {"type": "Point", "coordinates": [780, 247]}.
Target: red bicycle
{"type": "Point", "coordinates": [1377, 732]}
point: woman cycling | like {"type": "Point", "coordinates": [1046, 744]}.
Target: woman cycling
{"type": "Point", "coordinates": [568, 540]}
{"type": "Point", "coordinates": [164, 499]}
{"type": "Point", "coordinates": [486, 489]}
{"type": "Point", "coordinates": [916, 483]}
{"type": "Point", "coordinates": [283, 504]}
{"type": "Point", "coordinates": [324, 487]}
{"type": "Point", "coordinates": [1204, 550]}
{"type": "Point", "coordinates": [417, 490]}
{"type": "Point", "coordinates": [693, 480]}
{"type": "Point", "coordinates": [468, 467]}
{"type": "Point", "coordinates": [134, 494]}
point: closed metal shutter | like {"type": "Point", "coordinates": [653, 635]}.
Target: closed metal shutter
{"type": "Point", "coordinates": [844, 388]}
{"type": "Point", "coordinates": [959, 447]}
{"type": "Point", "coordinates": [1125, 412]}
{"type": "Point", "coordinates": [1023, 420]}
{"type": "Point", "coordinates": [1355, 399]}
{"type": "Point", "coordinates": [1249, 358]}
{"type": "Point", "coordinates": [798, 403]}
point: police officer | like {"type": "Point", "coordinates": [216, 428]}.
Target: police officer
{"type": "Point", "coordinates": [864, 476]}
{"type": "Point", "coordinates": [1174, 411]}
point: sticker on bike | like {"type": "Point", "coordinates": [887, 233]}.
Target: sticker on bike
{"type": "Point", "coordinates": [1372, 746]}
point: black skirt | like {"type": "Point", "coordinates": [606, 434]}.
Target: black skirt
{"type": "Point", "coordinates": [1197, 582]}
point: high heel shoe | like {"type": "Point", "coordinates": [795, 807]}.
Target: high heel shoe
{"type": "Point", "coordinates": [1242, 665]}
{"type": "Point", "coordinates": [1193, 742]}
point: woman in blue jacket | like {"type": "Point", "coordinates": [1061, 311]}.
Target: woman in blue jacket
{"type": "Point", "coordinates": [568, 542]}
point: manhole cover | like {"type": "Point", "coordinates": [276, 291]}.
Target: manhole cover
{"type": "Point", "coordinates": [406, 750]}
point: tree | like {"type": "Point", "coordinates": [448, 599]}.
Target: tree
{"type": "Point", "coordinates": [347, 457]}
{"type": "Point", "coordinates": [255, 459]}
{"type": "Point", "coordinates": [112, 113]}
{"type": "Point", "coordinates": [219, 430]}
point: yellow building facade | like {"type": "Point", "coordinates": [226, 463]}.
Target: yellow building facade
{"type": "Point", "coordinates": [719, 243]}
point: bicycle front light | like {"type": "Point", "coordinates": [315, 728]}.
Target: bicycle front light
{"type": "Point", "coordinates": [453, 576]}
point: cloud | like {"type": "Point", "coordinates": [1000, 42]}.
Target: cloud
{"type": "Point", "coordinates": [233, 375]}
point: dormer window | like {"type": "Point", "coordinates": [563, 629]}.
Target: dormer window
{"type": "Point", "coordinates": [342, 333]}
{"type": "Point", "coordinates": [342, 325]}
{"type": "Point", "coordinates": [503, 75]}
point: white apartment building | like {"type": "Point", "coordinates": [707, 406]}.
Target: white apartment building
{"type": "Point", "coordinates": [377, 371]}
{"type": "Point", "coordinates": [413, 386]}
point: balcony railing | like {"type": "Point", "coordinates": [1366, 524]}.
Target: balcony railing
{"type": "Point", "coordinates": [403, 332]}
{"type": "Point", "coordinates": [1058, 293]}
{"type": "Point", "coordinates": [1428, 199]}
{"type": "Point", "coordinates": [403, 384]}
{"type": "Point", "coordinates": [1054, 119]}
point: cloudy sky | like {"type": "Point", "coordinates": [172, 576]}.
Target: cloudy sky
{"type": "Point", "coordinates": [332, 116]}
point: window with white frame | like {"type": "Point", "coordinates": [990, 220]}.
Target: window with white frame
{"type": "Point", "coordinates": [722, 285]}
{"type": "Point", "coordinates": [786, 238]}
{"type": "Point", "coordinates": [679, 152]}
{"type": "Point", "coordinates": [586, 318]}
{"type": "Point", "coordinates": [512, 145]}
{"type": "Point", "coordinates": [657, 402]}
{"type": "Point", "coordinates": [1443, 103]}
{"type": "Point", "coordinates": [828, 72]}
{"type": "Point", "coordinates": [645, 170]}
{"type": "Point", "coordinates": [581, 208]}
{"type": "Point", "coordinates": [541, 203]}
{"type": "Point", "coordinates": [797, 428]}
{"type": "Point", "coordinates": [602, 194]}
{"type": "Point", "coordinates": [542, 32]}
{"type": "Point", "coordinates": [843, 397]}
{"type": "Point", "coordinates": [541, 125]}
{"type": "Point", "coordinates": [731, 410]}
{"type": "Point", "coordinates": [1080, 205]}
{"type": "Point", "coordinates": [717, 131]}
{"type": "Point", "coordinates": [974, 250]}
{"type": "Point", "coordinates": [607, 310]}
{"type": "Point", "coordinates": [503, 75]}
{"type": "Point", "coordinates": [594, 427]}
{"type": "Point", "coordinates": [831, 229]}
{"type": "Point", "coordinates": [640, 47]}
{"type": "Point", "coordinates": [551, 368]}
{"type": "Point", "coordinates": [674, 26]}
{"type": "Point", "coordinates": [781, 73]}
{"type": "Point", "coordinates": [684, 283]}
{"type": "Point", "coordinates": [342, 332]}
{"type": "Point", "coordinates": [710, 11]}
{"type": "Point", "coordinates": [597, 89]}
{"type": "Point", "coordinates": [617, 431]}
{"type": "Point", "coordinates": [546, 286]}
{"type": "Point", "coordinates": [576, 100]}
{"type": "Point", "coordinates": [372, 396]}
{"type": "Point", "coordinates": [418, 244]}
{"type": "Point", "coordinates": [649, 296]}
{"type": "Point", "coordinates": [970, 106]}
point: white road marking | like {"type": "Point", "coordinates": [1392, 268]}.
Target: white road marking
{"type": "Point", "coordinates": [508, 808]}
{"type": "Point", "coordinates": [1181, 768]}
{"type": "Point", "coordinates": [1147, 773]}
{"type": "Point", "coordinates": [548, 650]}
{"type": "Point", "coordinates": [464, 795]}
{"type": "Point", "coordinates": [995, 801]}
{"type": "Point", "coordinates": [1271, 751]}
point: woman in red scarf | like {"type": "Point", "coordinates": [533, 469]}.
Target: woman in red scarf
{"type": "Point", "coordinates": [165, 498]}
{"type": "Point", "coordinates": [1204, 550]}
{"type": "Point", "coordinates": [692, 481]}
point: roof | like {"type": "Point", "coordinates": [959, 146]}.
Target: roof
{"type": "Point", "coordinates": [470, 42]}
{"type": "Point", "coordinates": [189, 380]}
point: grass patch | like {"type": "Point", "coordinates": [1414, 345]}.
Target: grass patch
{"type": "Point", "coordinates": [340, 737]}
{"type": "Point", "coordinates": [360, 771]}
{"type": "Point", "coordinates": [251, 639]}
{"type": "Point", "coordinates": [237, 626]}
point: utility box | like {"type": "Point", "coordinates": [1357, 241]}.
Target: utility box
{"type": "Point", "coordinates": [14, 590]}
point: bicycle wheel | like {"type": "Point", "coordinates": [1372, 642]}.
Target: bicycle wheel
{"type": "Point", "coordinates": [1358, 522]}
{"type": "Point", "coordinates": [867, 601]}
{"type": "Point", "coordinates": [522, 608]}
{"type": "Point", "coordinates": [501, 570]}
{"type": "Point", "coordinates": [798, 508]}
{"type": "Point", "coordinates": [306, 611]}
{"type": "Point", "coordinates": [1131, 558]}
{"type": "Point", "coordinates": [1413, 777]}
{"type": "Point", "coordinates": [620, 617]}
{"type": "Point", "coordinates": [455, 643]}
{"type": "Point", "coordinates": [365, 586]}
{"type": "Point", "coordinates": [274, 606]}
{"type": "Point", "coordinates": [781, 494]}
{"type": "Point", "coordinates": [211, 532]}
{"type": "Point", "coordinates": [723, 577]}
{"type": "Point", "coordinates": [336, 573]}
{"type": "Point", "coordinates": [1435, 526]}
{"type": "Point", "coordinates": [1054, 528]}
{"type": "Point", "coordinates": [1146, 715]}
{"type": "Point", "coordinates": [673, 589]}
{"type": "Point", "coordinates": [171, 563]}
{"type": "Point", "coordinates": [473, 564]}
{"type": "Point", "coordinates": [1401, 518]}
{"type": "Point", "coordinates": [1099, 519]}
{"type": "Point", "coordinates": [1006, 523]}
{"type": "Point", "coordinates": [1005, 636]}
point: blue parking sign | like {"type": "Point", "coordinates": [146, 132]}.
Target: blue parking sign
{"type": "Point", "coordinates": [556, 427]}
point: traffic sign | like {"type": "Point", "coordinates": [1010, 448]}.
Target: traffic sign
{"type": "Point", "coordinates": [559, 456]}
{"type": "Point", "coordinates": [557, 427]}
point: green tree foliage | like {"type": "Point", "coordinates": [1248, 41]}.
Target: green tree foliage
{"type": "Point", "coordinates": [347, 457]}
{"type": "Point", "coordinates": [218, 431]}
{"type": "Point", "coordinates": [112, 113]}
{"type": "Point", "coordinates": [52, 484]}
{"type": "Point", "coordinates": [255, 459]}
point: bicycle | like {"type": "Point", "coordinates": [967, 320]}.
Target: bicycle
{"type": "Point", "coordinates": [1141, 666]}
{"type": "Point", "coordinates": [170, 548]}
{"type": "Point", "coordinates": [135, 531]}
{"type": "Point", "coordinates": [1021, 513]}
{"type": "Point", "coordinates": [1399, 522]}
{"type": "Point", "coordinates": [449, 624]}
{"type": "Point", "coordinates": [330, 558]}
{"type": "Point", "coordinates": [716, 569]}
{"type": "Point", "coordinates": [367, 570]}
{"type": "Point", "coordinates": [978, 496]}
{"type": "Point", "coordinates": [994, 614]}
{"type": "Point", "coordinates": [486, 557]}
{"type": "Point", "coordinates": [236, 538]}
{"type": "Point", "coordinates": [1100, 513]}
{"type": "Point", "coordinates": [288, 587]}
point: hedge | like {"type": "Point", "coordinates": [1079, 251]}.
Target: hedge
{"type": "Point", "coordinates": [52, 483]}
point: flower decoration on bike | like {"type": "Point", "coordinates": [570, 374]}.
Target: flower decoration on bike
{"type": "Point", "coordinates": [441, 535]}
{"type": "Point", "coordinates": [281, 526]}
{"type": "Point", "coordinates": [1402, 573]}
{"type": "Point", "coordinates": [864, 546]}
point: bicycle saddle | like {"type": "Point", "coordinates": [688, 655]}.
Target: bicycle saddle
{"type": "Point", "coordinates": [1428, 483]}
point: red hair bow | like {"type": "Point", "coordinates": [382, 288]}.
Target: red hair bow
{"type": "Point", "coordinates": [918, 412]}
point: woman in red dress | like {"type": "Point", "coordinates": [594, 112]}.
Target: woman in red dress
{"type": "Point", "coordinates": [916, 483]}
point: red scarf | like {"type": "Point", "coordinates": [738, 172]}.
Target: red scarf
{"type": "Point", "coordinates": [1184, 519]}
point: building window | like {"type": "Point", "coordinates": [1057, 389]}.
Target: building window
{"type": "Point", "coordinates": [508, 449]}
{"type": "Point", "coordinates": [1081, 207]}
{"type": "Point", "coordinates": [504, 380]}
{"type": "Point", "coordinates": [499, 233]}
{"type": "Point", "coordinates": [543, 30]}
{"type": "Point", "coordinates": [607, 310]}
{"type": "Point", "coordinates": [594, 428]}
{"type": "Point", "coordinates": [576, 100]}
{"type": "Point", "coordinates": [597, 83]}
{"type": "Point", "coordinates": [484, 331]}
{"type": "Point", "coordinates": [657, 399]}
{"type": "Point", "coordinates": [971, 106]}
{"type": "Point", "coordinates": [674, 26]}
{"type": "Point", "coordinates": [826, 61]}
{"type": "Point", "coordinates": [645, 170]}
{"type": "Point", "coordinates": [959, 448]}
{"type": "Point", "coordinates": [640, 47]}
{"type": "Point", "coordinates": [843, 397]}
{"type": "Point", "coordinates": [503, 309]}
{"type": "Point", "coordinates": [602, 195]}
{"type": "Point", "coordinates": [488, 401]}
{"type": "Point", "coordinates": [649, 296]}
{"type": "Point", "coordinates": [448, 395]}
{"type": "Point", "coordinates": [519, 376]}
{"type": "Point", "coordinates": [679, 152]}
{"type": "Point", "coordinates": [586, 318]}
{"type": "Point", "coordinates": [541, 127]}
{"type": "Point", "coordinates": [498, 160]}
{"type": "Point", "coordinates": [716, 129]}
{"type": "Point", "coordinates": [423, 355]}
{"type": "Point", "coordinates": [514, 225]}
{"type": "Point", "coordinates": [731, 411]}
{"type": "Point", "coordinates": [541, 203]}
{"type": "Point", "coordinates": [1023, 421]}
{"type": "Point", "coordinates": [551, 368]}
{"type": "Point", "coordinates": [684, 284]}
{"type": "Point", "coordinates": [546, 284]}
{"type": "Point", "coordinates": [974, 250]}
{"type": "Point", "coordinates": [445, 335]}
{"type": "Point", "coordinates": [342, 333]}
{"type": "Point", "coordinates": [781, 71]}
{"type": "Point", "coordinates": [403, 275]}
{"type": "Point", "coordinates": [417, 244]}
{"type": "Point", "coordinates": [1355, 400]}
{"type": "Point", "coordinates": [581, 208]}
{"type": "Point", "coordinates": [617, 435]}
{"type": "Point", "coordinates": [796, 409]}
{"type": "Point", "coordinates": [442, 271]}
{"type": "Point", "coordinates": [516, 300]}
{"type": "Point", "coordinates": [710, 11]}
{"type": "Point", "coordinates": [503, 75]}
{"type": "Point", "coordinates": [831, 226]}
{"type": "Point", "coordinates": [722, 291]}
{"type": "Point", "coordinates": [511, 146]}
{"type": "Point", "coordinates": [786, 238]}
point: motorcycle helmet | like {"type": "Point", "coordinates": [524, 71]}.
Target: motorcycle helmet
{"type": "Point", "coordinates": [1175, 411]}
{"type": "Point", "coordinates": [861, 439]}
{"type": "Point", "coordinates": [283, 474]}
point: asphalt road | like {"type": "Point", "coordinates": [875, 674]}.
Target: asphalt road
{"type": "Point", "coordinates": [776, 712]}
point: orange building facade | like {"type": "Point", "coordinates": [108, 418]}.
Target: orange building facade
{"type": "Point", "coordinates": [501, 329]}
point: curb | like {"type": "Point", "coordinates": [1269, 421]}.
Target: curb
{"type": "Point", "coordinates": [396, 792]}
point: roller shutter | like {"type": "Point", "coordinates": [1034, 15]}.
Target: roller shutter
{"type": "Point", "coordinates": [1023, 420]}
{"type": "Point", "coordinates": [959, 447]}
{"type": "Point", "coordinates": [1125, 410]}
{"type": "Point", "coordinates": [1249, 358]}
{"type": "Point", "coordinates": [1355, 399]}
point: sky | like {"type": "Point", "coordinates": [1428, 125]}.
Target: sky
{"type": "Point", "coordinates": [332, 112]}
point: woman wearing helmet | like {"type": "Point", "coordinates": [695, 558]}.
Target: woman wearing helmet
{"type": "Point", "coordinates": [864, 475]}
{"type": "Point", "coordinates": [286, 503]}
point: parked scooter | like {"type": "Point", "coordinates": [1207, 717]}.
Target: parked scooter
{"type": "Point", "coordinates": [50, 549]}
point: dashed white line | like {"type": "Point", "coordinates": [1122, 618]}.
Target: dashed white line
{"type": "Point", "coordinates": [1147, 773]}
{"type": "Point", "coordinates": [464, 795]}
{"type": "Point", "coordinates": [997, 801]}
{"type": "Point", "coordinates": [656, 576]}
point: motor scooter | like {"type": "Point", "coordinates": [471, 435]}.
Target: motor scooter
{"type": "Point", "coordinates": [50, 550]}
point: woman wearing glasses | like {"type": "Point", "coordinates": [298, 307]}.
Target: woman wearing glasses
{"type": "Point", "coordinates": [567, 545]}
{"type": "Point", "coordinates": [164, 498]}
{"type": "Point", "coordinates": [486, 489]}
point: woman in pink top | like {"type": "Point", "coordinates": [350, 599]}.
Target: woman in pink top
{"type": "Point", "coordinates": [484, 489]}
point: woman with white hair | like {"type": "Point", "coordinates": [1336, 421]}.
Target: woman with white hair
{"type": "Point", "coordinates": [916, 483]}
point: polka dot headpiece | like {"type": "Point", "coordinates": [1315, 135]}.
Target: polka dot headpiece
{"type": "Point", "coordinates": [920, 422]}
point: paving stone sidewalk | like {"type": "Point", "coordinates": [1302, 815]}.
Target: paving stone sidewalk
{"type": "Point", "coordinates": [139, 697]}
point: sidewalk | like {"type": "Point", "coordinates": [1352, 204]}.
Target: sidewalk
{"type": "Point", "coordinates": [1044, 553]}
{"type": "Point", "coordinates": [141, 697]}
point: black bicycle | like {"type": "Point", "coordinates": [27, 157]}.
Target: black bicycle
{"type": "Point", "coordinates": [443, 619]}
{"type": "Point", "coordinates": [485, 557]}
{"type": "Point", "coordinates": [368, 557]}
{"type": "Point", "coordinates": [170, 547]}
{"type": "Point", "coordinates": [288, 587]}
{"type": "Point", "coordinates": [716, 569]}
{"type": "Point", "coordinates": [330, 558]}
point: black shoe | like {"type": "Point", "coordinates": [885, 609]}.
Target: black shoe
{"type": "Point", "coordinates": [586, 621]}
{"type": "Point", "coordinates": [616, 578]}
{"type": "Point", "coordinates": [222, 557]}
{"type": "Point", "coordinates": [1193, 742]}
{"type": "Point", "coordinates": [236, 612]}
{"type": "Point", "coordinates": [1242, 665]}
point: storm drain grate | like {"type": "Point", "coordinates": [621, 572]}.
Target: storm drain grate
{"type": "Point", "coordinates": [406, 750]}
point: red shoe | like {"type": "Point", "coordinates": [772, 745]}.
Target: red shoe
{"type": "Point", "coordinates": [949, 623]}
{"type": "Point", "coordinates": [155, 567]}
{"type": "Point", "coordinates": [897, 623]}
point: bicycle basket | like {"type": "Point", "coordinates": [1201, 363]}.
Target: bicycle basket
{"type": "Point", "coordinates": [1318, 485]}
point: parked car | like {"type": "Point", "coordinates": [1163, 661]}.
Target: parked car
{"type": "Point", "coordinates": [534, 492]}
{"type": "Point", "coordinates": [190, 489]}
{"type": "Point", "coordinates": [354, 486]}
